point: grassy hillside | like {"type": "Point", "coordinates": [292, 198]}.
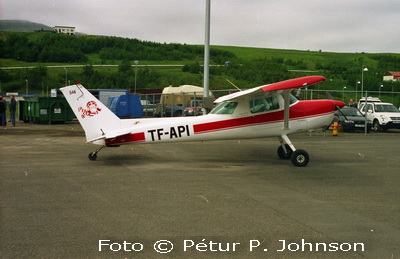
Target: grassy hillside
{"type": "Point", "coordinates": [21, 26]}
{"type": "Point", "coordinates": [310, 58]}
{"type": "Point", "coordinates": [248, 67]}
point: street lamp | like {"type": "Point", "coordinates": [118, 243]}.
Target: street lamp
{"type": "Point", "coordinates": [344, 87]}
{"type": "Point", "coordinates": [362, 79]}
{"type": "Point", "coordinates": [380, 91]}
{"type": "Point", "coordinates": [136, 63]}
{"type": "Point", "coordinates": [27, 83]}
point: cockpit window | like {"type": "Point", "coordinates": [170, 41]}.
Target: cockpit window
{"type": "Point", "coordinates": [225, 108]}
{"type": "Point", "coordinates": [264, 104]}
{"type": "Point", "coordinates": [292, 99]}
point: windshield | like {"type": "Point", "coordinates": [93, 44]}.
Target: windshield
{"type": "Point", "coordinates": [385, 108]}
{"type": "Point", "coordinates": [351, 112]}
{"type": "Point", "coordinates": [225, 108]}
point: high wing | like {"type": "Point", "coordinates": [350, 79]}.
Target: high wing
{"type": "Point", "coordinates": [279, 86]}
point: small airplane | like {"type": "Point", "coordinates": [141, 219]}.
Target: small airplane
{"type": "Point", "coordinates": [264, 111]}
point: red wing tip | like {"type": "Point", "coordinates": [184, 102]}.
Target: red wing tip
{"type": "Point", "coordinates": [339, 104]}
{"type": "Point", "coordinates": [293, 83]}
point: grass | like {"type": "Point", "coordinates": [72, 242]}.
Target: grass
{"type": "Point", "coordinates": [308, 57]}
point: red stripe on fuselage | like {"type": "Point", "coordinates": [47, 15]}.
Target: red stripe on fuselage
{"type": "Point", "coordinates": [125, 139]}
{"type": "Point", "coordinates": [301, 110]}
{"type": "Point", "coordinates": [239, 122]}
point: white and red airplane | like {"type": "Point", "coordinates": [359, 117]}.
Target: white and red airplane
{"type": "Point", "coordinates": [264, 111]}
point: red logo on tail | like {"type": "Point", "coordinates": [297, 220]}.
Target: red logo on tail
{"type": "Point", "coordinates": [91, 109]}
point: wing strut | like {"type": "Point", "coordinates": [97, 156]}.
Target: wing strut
{"type": "Point", "coordinates": [286, 99]}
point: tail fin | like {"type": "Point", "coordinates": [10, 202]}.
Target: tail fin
{"type": "Point", "coordinates": [96, 119]}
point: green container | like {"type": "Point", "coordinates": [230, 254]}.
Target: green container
{"type": "Point", "coordinates": [45, 110]}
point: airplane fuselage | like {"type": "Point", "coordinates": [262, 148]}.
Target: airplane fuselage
{"type": "Point", "coordinates": [242, 123]}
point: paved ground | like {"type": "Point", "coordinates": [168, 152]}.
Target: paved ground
{"type": "Point", "coordinates": [202, 197]}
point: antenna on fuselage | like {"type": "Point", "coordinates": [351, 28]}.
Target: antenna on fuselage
{"type": "Point", "coordinates": [233, 84]}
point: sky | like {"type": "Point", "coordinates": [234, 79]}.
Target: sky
{"type": "Point", "coordinates": [336, 25]}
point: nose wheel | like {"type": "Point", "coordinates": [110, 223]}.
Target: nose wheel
{"type": "Point", "coordinates": [286, 150]}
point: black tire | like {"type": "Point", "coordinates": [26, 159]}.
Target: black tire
{"type": "Point", "coordinates": [92, 156]}
{"type": "Point", "coordinates": [281, 153]}
{"type": "Point", "coordinates": [376, 127]}
{"type": "Point", "coordinates": [300, 158]}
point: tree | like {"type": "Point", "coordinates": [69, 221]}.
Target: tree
{"type": "Point", "coordinates": [125, 67]}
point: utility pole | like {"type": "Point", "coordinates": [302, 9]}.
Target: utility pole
{"type": "Point", "coordinates": [206, 74]}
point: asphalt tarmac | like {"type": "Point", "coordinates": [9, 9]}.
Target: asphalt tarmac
{"type": "Point", "coordinates": [223, 199]}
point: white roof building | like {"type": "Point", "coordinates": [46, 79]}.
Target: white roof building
{"type": "Point", "coordinates": [391, 76]}
{"type": "Point", "coordinates": [64, 29]}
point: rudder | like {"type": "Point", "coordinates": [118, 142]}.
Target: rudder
{"type": "Point", "coordinates": [95, 118]}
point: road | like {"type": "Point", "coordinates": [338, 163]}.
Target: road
{"type": "Point", "coordinates": [204, 198]}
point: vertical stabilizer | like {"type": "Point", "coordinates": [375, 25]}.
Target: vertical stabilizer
{"type": "Point", "coordinates": [96, 119]}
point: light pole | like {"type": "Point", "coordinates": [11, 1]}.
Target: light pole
{"type": "Point", "coordinates": [392, 93]}
{"type": "Point", "coordinates": [136, 63]}
{"type": "Point", "coordinates": [380, 91]}
{"type": "Point", "coordinates": [344, 87]}
{"type": "Point", "coordinates": [362, 79]}
{"type": "Point", "coordinates": [357, 83]}
{"type": "Point", "coordinates": [66, 76]}
{"type": "Point", "coordinates": [206, 78]}
{"type": "Point", "coordinates": [27, 84]}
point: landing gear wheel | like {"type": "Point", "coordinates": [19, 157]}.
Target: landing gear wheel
{"type": "Point", "coordinates": [300, 158]}
{"type": "Point", "coordinates": [92, 156]}
{"type": "Point", "coordinates": [282, 154]}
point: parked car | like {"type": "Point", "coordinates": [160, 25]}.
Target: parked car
{"type": "Point", "coordinates": [370, 99]}
{"type": "Point", "coordinates": [384, 116]}
{"type": "Point", "coordinates": [351, 119]}
{"type": "Point", "coordinates": [193, 111]}
{"type": "Point", "coordinates": [148, 108]}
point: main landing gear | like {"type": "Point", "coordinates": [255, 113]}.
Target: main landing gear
{"type": "Point", "coordinates": [286, 150]}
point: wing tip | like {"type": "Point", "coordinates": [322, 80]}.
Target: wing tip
{"type": "Point", "coordinates": [293, 83]}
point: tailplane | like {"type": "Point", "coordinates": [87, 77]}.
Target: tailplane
{"type": "Point", "coordinates": [95, 118]}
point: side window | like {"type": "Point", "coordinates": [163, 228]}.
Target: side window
{"type": "Point", "coordinates": [225, 108]}
{"type": "Point", "coordinates": [264, 104]}
{"type": "Point", "coordinates": [292, 99]}
{"type": "Point", "coordinates": [257, 106]}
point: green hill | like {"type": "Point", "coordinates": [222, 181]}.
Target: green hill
{"type": "Point", "coordinates": [21, 26]}
{"type": "Point", "coordinates": [248, 67]}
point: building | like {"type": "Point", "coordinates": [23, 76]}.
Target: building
{"type": "Point", "coordinates": [64, 29]}
{"type": "Point", "coordinates": [392, 76]}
